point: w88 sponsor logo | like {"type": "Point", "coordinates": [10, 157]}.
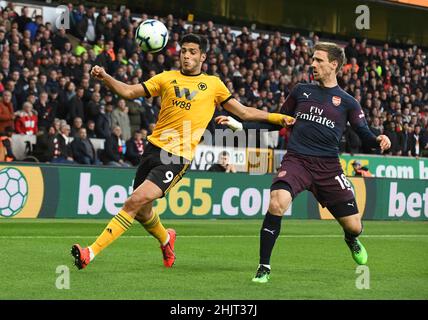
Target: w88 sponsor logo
{"type": "Point", "coordinates": [182, 104]}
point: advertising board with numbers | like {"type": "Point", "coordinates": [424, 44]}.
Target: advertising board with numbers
{"type": "Point", "coordinates": [47, 191]}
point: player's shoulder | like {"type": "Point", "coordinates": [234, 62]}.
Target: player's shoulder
{"type": "Point", "coordinates": [302, 86]}
{"type": "Point", "coordinates": [169, 73]}
{"type": "Point", "coordinates": [211, 77]}
{"type": "Point", "coordinates": [210, 81]}
{"type": "Point", "coordinates": [163, 76]}
{"type": "Point", "coordinates": [348, 99]}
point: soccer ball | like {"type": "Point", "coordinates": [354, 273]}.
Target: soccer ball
{"type": "Point", "coordinates": [13, 192]}
{"type": "Point", "coordinates": [151, 35]}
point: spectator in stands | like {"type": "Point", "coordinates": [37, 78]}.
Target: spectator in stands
{"type": "Point", "coordinates": [359, 170]}
{"type": "Point", "coordinates": [26, 121]}
{"type": "Point", "coordinates": [415, 142]}
{"type": "Point", "coordinates": [46, 111]}
{"type": "Point", "coordinates": [223, 164]}
{"type": "Point", "coordinates": [6, 111]}
{"type": "Point", "coordinates": [135, 148]}
{"type": "Point", "coordinates": [353, 141]}
{"type": "Point", "coordinates": [83, 150]}
{"type": "Point", "coordinates": [60, 146]}
{"type": "Point", "coordinates": [144, 137]}
{"type": "Point", "coordinates": [23, 19]}
{"type": "Point", "coordinates": [150, 113]}
{"type": "Point", "coordinates": [6, 153]}
{"type": "Point", "coordinates": [388, 81]}
{"type": "Point", "coordinates": [115, 149]}
{"type": "Point", "coordinates": [60, 39]}
{"type": "Point", "coordinates": [93, 109]}
{"type": "Point", "coordinates": [75, 104]}
{"type": "Point", "coordinates": [120, 118]}
{"type": "Point", "coordinates": [90, 130]}
{"type": "Point", "coordinates": [43, 148]}
{"type": "Point", "coordinates": [10, 86]}
{"type": "Point", "coordinates": [77, 125]}
{"type": "Point", "coordinates": [135, 115]}
{"type": "Point", "coordinates": [392, 134]}
{"type": "Point", "coordinates": [103, 125]}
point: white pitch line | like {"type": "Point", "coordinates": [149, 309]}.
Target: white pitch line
{"type": "Point", "coordinates": [391, 236]}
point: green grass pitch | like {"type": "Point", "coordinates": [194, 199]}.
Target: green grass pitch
{"type": "Point", "coordinates": [216, 259]}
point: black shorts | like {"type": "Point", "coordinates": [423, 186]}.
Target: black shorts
{"type": "Point", "coordinates": [163, 174]}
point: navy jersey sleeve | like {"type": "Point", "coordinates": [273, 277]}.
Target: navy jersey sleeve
{"type": "Point", "coordinates": [289, 106]}
{"type": "Point", "coordinates": [358, 122]}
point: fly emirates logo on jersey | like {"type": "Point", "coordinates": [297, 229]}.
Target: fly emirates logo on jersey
{"type": "Point", "coordinates": [316, 115]}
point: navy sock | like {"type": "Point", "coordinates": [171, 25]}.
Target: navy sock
{"type": "Point", "coordinates": [350, 237]}
{"type": "Point", "coordinates": [268, 234]}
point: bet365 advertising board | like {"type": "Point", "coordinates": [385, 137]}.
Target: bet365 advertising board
{"type": "Point", "coordinates": [46, 191]}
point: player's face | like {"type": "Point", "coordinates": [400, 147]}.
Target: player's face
{"type": "Point", "coordinates": [322, 68]}
{"type": "Point", "coordinates": [191, 58]}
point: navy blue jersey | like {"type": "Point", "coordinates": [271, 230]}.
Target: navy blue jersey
{"type": "Point", "coordinates": [321, 117]}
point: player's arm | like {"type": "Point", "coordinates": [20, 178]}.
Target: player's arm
{"type": "Point", "coordinates": [236, 125]}
{"type": "Point", "coordinates": [359, 124]}
{"type": "Point", "coordinates": [252, 114]}
{"type": "Point", "coordinates": [287, 110]}
{"type": "Point", "coordinates": [124, 90]}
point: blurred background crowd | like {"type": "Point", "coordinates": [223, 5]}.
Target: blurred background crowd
{"type": "Point", "coordinates": [46, 89]}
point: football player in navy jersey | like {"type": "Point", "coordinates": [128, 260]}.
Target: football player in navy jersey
{"type": "Point", "coordinates": [322, 111]}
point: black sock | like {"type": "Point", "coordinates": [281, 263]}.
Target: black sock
{"type": "Point", "coordinates": [350, 237]}
{"type": "Point", "coordinates": [269, 232]}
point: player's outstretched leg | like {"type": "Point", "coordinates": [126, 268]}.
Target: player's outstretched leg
{"type": "Point", "coordinates": [353, 227]}
{"type": "Point", "coordinates": [146, 193]}
{"type": "Point", "coordinates": [114, 229]}
{"type": "Point", "coordinates": [269, 232]}
{"type": "Point", "coordinates": [151, 222]}
{"type": "Point", "coordinates": [358, 251]}
{"type": "Point", "coordinates": [347, 215]}
{"type": "Point", "coordinates": [168, 252]}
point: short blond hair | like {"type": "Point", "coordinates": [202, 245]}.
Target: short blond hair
{"type": "Point", "coordinates": [334, 52]}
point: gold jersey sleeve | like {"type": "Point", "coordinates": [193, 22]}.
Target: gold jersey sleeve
{"type": "Point", "coordinates": [187, 107]}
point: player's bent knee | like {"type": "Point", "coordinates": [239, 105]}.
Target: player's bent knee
{"type": "Point", "coordinates": [278, 207]}
{"type": "Point", "coordinates": [355, 228]}
{"type": "Point", "coordinates": [279, 202]}
{"type": "Point", "coordinates": [351, 223]}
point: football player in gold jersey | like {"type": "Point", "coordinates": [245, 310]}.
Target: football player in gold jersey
{"type": "Point", "coordinates": [188, 100]}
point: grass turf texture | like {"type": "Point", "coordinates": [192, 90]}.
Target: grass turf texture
{"type": "Point", "coordinates": [215, 260]}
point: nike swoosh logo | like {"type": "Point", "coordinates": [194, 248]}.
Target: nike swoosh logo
{"type": "Point", "coordinates": [350, 204]}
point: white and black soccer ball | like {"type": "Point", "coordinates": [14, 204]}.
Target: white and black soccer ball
{"type": "Point", "coordinates": [13, 191]}
{"type": "Point", "coordinates": [151, 35]}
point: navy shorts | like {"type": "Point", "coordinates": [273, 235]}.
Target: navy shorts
{"type": "Point", "coordinates": [324, 177]}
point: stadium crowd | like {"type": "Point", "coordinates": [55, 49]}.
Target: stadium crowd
{"type": "Point", "coordinates": [46, 89]}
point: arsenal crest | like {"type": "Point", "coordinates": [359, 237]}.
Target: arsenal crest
{"type": "Point", "coordinates": [336, 100]}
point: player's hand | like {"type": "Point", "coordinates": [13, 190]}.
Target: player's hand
{"type": "Point", "coordinates": [288, 121]}
{"type": "Point", "coordinates": [230, 122]}
{"type": "Point", "coordinates": [384, 142]}
{"type": "Point", "coordinates": [98, 72]}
